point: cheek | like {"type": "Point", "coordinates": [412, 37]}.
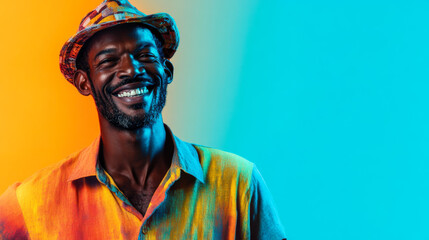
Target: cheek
{"type": "Point", "coordinates": [156, 72]}
{"type": "Point", "coordinates": [101, 79]}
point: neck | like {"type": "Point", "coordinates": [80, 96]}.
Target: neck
{"type": "Point", "coordinates": [135, 154]}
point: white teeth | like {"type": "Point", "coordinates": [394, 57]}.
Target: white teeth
{"type": "Point", "coordinates": [134, 92]}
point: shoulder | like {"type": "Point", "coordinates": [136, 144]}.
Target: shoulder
{"type": "Point", "coordinates": [29, 194]}
{"type": "Point", "coordinates": [228, 166]}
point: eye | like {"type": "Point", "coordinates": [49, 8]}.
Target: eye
{"type": "Point", "coordinates": [147, 57]}
{"type": "Point", "coordinates": [107, 62]}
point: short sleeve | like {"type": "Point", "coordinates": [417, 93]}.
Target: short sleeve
{"type": "Point", "coordinates": [12, 224]}
{"type": "Point", "coordinates": [264, 220]}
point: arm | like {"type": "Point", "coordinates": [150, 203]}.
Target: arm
{"type": "Point", "coordinates": [264, 220]}
{"type": "Point", "coordinates": [12, 224]}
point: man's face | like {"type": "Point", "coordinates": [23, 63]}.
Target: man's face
{"type": "Point", "coordinates": [128, 76]}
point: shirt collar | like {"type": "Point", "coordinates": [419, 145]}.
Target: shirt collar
{"type": "Point", "coordinates": [86, 161]}
{"type": "Point", "coordinates": [185, 157]}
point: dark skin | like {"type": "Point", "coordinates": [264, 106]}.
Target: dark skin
{"type": "Point", "coordinates": [137, 159]}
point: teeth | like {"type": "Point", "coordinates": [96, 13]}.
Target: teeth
{"type": "Point", "coordinates": [134, 92]}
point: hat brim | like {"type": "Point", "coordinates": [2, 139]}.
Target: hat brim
{"type": "Point", "coordinates": [163, 23]}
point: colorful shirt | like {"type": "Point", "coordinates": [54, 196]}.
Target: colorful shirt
{"type": "Point", "coordinates": [205, 194]}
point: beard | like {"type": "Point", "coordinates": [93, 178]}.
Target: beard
{"type": "Point", "coordinates": [108, 109]}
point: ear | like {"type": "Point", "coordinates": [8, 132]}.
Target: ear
{"type": "Point", "coordinates": [169, 69]}
{"type": "Point", "coordinates": [81, 82]}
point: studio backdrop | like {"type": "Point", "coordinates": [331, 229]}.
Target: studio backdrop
{"type": "Point", "coordinates": [328, 98]}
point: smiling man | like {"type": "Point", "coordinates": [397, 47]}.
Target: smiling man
{"type": "Point", "coordinates": [137, 180]}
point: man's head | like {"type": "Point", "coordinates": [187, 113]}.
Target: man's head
{"type": "Point", "coordinates": [124, 69]}
{"type": "Point", "coordinates": [120, 57]}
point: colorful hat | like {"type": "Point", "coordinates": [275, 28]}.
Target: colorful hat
{"type": "Point", "coordinates": [111, 13]}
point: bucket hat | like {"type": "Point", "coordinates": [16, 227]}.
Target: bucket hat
{"type": "Point", "coordinates": [111, 13]}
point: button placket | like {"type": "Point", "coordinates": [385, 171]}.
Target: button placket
{"type": "Point", "coordinates": [145, 229]}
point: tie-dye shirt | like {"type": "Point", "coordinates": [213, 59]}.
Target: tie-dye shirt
{"type": "Point", "coordinates": [205, 194]}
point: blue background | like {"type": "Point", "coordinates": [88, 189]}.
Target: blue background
{"type": "Point", "coordinates": [328, 98]}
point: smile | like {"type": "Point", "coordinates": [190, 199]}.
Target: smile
{"type": "Point", "coordinates": [133, 92]}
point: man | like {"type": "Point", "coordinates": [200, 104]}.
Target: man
{"type": "Point", "coordinates": [137, 180]}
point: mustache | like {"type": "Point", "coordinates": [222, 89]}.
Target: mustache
{"type": "Point", "coordinates": [126, 81]}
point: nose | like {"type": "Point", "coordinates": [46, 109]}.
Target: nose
{"type": "Point", "coordinates": [130, 67]}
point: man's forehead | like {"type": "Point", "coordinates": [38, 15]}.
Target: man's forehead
{"type": "Point", "coordinates": [136, 33]}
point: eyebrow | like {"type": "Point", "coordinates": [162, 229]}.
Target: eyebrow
{"type": "Point", "coordinates": [143, 46]}
{"type": "Point", "coordinates": [105, 51]}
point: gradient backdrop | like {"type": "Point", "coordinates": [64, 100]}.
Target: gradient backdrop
{"type": "Point", "coordinates": [328, 98]}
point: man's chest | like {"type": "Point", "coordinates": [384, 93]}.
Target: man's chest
{"type": "Point", "coordinates": [139, 198]}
